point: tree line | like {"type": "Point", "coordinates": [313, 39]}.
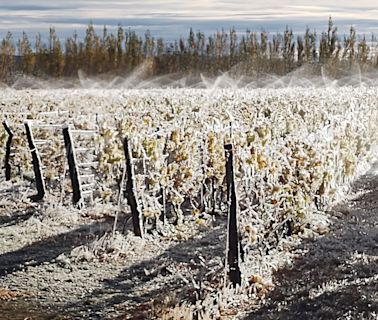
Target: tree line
{"type": "Point", "coordinates": [251, 53]}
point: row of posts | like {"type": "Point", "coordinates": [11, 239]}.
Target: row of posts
{"type": "Point", "coordinates": [37, 164]}
{"type": "Point", "coordinates": [129, 190]}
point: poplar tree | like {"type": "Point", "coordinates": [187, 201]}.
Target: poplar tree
{"type": "Point", "coordinates": [120, 39]}
{"type": "Point", "coordinates": [71, 56]}
{"type": "Point", "coordinates": [89, 49]}
{"type": "Point", "coordinates": [7, 52]}
{"type": "Point", "coordinates": [56, 58]}
{"type": "Point", "coordinates": [26, 55]}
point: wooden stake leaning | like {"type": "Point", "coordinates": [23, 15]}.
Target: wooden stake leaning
{"type": "Point", "coordinates": [7, 165]}
{"type": "Point", "coordinates": [72, 166]}
{"type": "Point", "coordinates": [40, 183]}
{"type": "Point", "coordinates": [129, 192]}
{"type": "Point", "coordinates": [234, 273]}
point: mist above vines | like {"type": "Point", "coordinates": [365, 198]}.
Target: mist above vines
{"type": "Point", "coordinates": [225, 59]}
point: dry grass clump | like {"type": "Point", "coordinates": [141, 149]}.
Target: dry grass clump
{"type": "Point", "coordinates": [6, 294]}
{"type": "Point", "coordinates": [108, 247]}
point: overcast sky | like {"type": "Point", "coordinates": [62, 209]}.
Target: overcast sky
{"type": "Point", "coordinates": [171, 19]}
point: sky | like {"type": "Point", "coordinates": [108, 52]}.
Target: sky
{"type": "Point", "coordinates": [171, 19]}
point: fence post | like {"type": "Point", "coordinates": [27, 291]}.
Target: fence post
{"type": "Point", "coordinates": [233, 239]}
{"type": "Point", "coordinates": [72, 165]}
{"type": "Point", "coordinates": [37, 167]}
{"type": "Point", "coordinates": [163, 193]}
{"type": "Point", "coordinates": [7, 165]}
{"type": "Point", "coordinates": [129, 191]}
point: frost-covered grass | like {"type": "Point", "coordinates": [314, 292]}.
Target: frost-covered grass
{"type": "Point", "coordinates": [297, 150]}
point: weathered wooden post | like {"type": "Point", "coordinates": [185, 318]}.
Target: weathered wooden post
{"type": "Point", "coordinates": [37, 167]}
{"type": "Point", "coordinates": [233, 239]}
{"type": "Point", "coordinates": [72, 165]}
{"type": "Point", "coordinates": [213, 196]}
{"type": "Point", "coordinates": [129, 192]}
{"type": "Point", "coordinates": [7, 165]}
{"type": "Point", "coordinates": [163, 192]}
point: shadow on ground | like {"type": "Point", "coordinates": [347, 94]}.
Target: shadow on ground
{"type": "Point", "coordinates": [143, 292]}
{"type": "Point", "coordinates": [49, 248]}
{"type": "Point", "coordinates": [15, 218]}
{"type": "Point", "coordinates": [337, 276]}
{"type": "Point", "coordinates": [133, 285]}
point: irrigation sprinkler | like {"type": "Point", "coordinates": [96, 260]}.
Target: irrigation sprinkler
{"type": "Point", "coordinates": [232, 232]}
{"type": "Point", "coordinates": [8, 146]}
{"type": "Point", "coordinates": [37, 167]}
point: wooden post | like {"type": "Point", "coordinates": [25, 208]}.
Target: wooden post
{"type": "Point", "coordinates": [163, 192]}
{"type": "Point", "coordinates": [213, 195]}
{"type": "Point", "coordinates": [162, 201]}
{"type": "Point", "coordinates": [39, 181]}
{"type": "Point", "coordinates": [233, 239]}
{"type": "Point", "coordinates": [203, 187]}
{"type": "Point", "coordinates": [72, 166]}
{"type": "Point", "coordinates": [7, 165]}
{"type": "Point", "coordinates": [129, 191]}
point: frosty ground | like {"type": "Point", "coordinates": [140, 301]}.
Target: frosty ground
{"type": "Point", "coordinates": [297, 150]}
{"type": "Point", "coordinates": [330, 276]}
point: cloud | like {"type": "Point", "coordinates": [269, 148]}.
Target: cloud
{"type": "Point", "coordinates": [172, 18]}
